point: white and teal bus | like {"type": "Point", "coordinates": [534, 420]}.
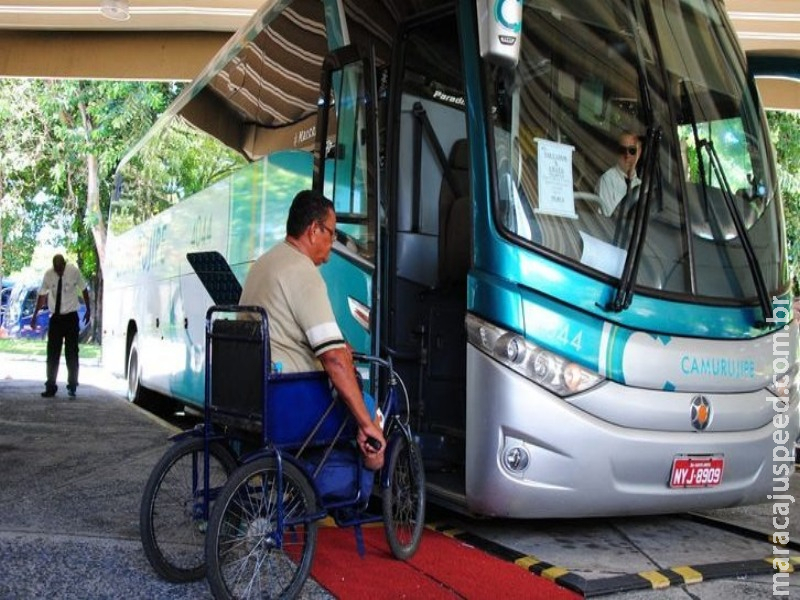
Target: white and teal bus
{"type": "Point", "coordinates": [560, 361]}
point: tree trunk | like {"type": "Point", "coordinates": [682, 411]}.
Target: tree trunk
{"type": "Point", "coordinates": [96, 221]}
{"type": "Point", "coordinates": [93, 214]}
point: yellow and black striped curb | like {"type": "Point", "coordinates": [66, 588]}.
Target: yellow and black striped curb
{"type": "Point", "coordinates": [656, 579]}
{"type": "Point", "coordinates": [760, 536]}
{"type": "Point", "coordinates": [681, 575]}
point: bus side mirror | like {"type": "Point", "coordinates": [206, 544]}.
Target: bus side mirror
{"type": "Point", "coordinates": [499, 30]}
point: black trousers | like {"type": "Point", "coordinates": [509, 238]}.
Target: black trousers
{"type": "Point", "coordinates": [63, 331]}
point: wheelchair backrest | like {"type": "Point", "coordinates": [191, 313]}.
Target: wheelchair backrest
{"type": "Point", "coordinates": [287, 409]}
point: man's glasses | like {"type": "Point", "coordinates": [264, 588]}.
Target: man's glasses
{"type": "Point", "coordinates": [632, 150]}
{"type": "Point", "coordinates": [331, 232]}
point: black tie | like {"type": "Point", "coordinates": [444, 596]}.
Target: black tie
{"type": "Point", "coordinates": [58, 298]}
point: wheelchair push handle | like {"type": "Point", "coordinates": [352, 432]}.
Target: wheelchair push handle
{"type": "Point", "coordinates": [393, 382]}
{"type": "Point", "coordinates": [373, 443]}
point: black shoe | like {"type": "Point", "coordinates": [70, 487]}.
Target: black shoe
{"type": "Point", "coordinates": [71, 392]}
{"type": "Point", "coordinates": [48, 393]}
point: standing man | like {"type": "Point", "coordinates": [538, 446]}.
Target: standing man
{"type": "Point", "coordinates": [621, 179]}
{"type": "Point", "coordinates": [304, 335]}
{"type": "Point", "coordinates": [60, 288]}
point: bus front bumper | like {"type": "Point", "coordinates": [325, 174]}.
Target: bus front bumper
{"type": "Point", "coordinates": [530, 454]}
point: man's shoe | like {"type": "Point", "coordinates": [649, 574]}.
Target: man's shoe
{"type": "Point", "coordinates": [71, 392]}
{"type": "Point", "coordinates": [48, 393]}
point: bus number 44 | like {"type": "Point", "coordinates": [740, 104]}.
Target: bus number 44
{"type": "Point", "coordinates": [566, 338]}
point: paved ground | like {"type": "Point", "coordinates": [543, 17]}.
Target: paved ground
{"type": "Point", "coordinates": [72, 474]}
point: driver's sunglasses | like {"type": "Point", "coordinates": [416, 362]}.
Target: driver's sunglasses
{"type": "Point", "coordinates": [632, 150]}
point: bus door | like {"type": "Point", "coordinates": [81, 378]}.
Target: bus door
{"type": "Point", "coordinates": [429, 231]}
{"type": "Point", "coordinates": [345, 170]}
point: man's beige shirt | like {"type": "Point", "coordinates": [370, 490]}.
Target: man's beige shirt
{"type": "Point", "coordinates": [287, 284]}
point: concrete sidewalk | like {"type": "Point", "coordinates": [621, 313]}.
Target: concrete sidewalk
{"type": "Point", "coordinates": [72, 472]}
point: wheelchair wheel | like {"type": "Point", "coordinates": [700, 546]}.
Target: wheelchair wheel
{"type": "Point", "coordinates": [404, 498]}
{"type": "Point", "coordinates": [171, 523]}
{"type": "Point", "coordinates": [248, 554]}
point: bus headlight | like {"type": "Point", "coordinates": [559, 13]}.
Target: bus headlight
{"type": "Point", "coordinates": [541, 366]}
{"type": "Point", "coordinates": [784, 385]}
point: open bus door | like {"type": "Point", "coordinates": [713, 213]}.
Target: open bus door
{"type": "Point", "coordinates": [345, 170]}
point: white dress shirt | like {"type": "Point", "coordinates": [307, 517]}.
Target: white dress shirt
{"type": "Point", "coordinates": [71, 285]}
{"type": "Point", "coordinates": [612, 187]}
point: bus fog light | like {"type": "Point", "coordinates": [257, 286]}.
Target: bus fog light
{"type": "Point", "coordinates": [516, 459]}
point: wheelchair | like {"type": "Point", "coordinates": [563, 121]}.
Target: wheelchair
{"type": "Point", "coordinates": [239, 498]}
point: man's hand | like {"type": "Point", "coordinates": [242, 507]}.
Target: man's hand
{"type": "Point", "coordinates": [338, 364]}
{"type": "Point", "coordinates": [373, 456]}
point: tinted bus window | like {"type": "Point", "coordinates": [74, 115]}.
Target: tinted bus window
{"type": "Point", "coordinates": [173, 164]}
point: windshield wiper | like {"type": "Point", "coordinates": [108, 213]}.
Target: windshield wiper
{"type": "Point", "coordinates": [741, 231]}
{"type": "Point", "coordinates": [727, 194]}
{"type": "Point", "coordinates": [624, 296]}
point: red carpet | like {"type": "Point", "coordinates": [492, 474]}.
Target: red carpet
{"type": "Point", "coordinates": [442, 568]}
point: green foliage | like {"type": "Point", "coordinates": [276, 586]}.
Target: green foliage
{"type": "Point", "coordinates": [39, 348]}
{"type": "Point", "coordinates": [22, 214]}
{"type": "Point", "coordinates": [58, 161]}
{"type": "Point", "coordinates": [729, 141]}
{"type": "Point", "coordinates": [178, 161]}
{"type": "Point", "coordinates": [63, 135]}
{"type": "Point", "coordinates": [785, 133]}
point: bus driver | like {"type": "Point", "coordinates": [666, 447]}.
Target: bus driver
{"type": "Point", "coordinates": [620, 179]}
{"type": "Point", "coordinates": [303, 332]}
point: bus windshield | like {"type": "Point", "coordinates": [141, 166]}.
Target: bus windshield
{"type": "Point", "coordinates": [574, 132]}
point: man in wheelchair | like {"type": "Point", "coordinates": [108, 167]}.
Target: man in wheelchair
{"type": "Point", "coordinates": [304, 335]}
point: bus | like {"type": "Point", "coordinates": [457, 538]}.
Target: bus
{"type": "Point", "coordinates": [560, 361]}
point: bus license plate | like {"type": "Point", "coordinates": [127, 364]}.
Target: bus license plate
{"type": "Point", "coordinates": [696, 471]}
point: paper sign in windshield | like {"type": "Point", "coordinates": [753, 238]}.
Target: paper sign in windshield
{"type": "Point", "coordinates": [555, 179]}
{"type": "Point", "coordinates": [602, 256]}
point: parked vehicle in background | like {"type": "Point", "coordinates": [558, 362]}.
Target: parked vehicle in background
{"type": "Point", "coordinates": [21, 301]}
{"type": "Point", "coordinates": [5, 293]}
